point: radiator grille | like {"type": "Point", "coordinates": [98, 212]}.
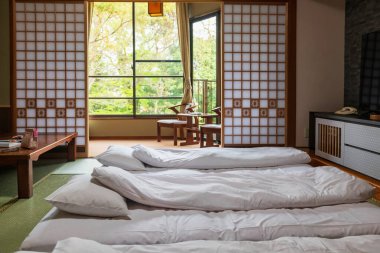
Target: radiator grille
{"type": "Point", "coordinates": [329, 140]}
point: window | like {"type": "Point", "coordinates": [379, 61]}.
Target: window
{"type": "Point", "coordinates": [204, 48]}
{"type": "Point", "coordinates": [134, 60]}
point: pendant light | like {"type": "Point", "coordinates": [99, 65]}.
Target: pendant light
{"type": "Point", "coordinates": [156, 9]}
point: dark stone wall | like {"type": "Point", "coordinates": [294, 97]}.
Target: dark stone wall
{"type": "Point", "coordinates": [362, 16]}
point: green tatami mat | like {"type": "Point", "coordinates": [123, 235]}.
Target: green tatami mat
{"type": "Point", "coordinates": [42, 168]}
{"type": "Point", "coordinates": [8, 180]}
{"type": "Point", "coordinates": [80, 166]}
{"type": "Point", "coordinates": [18, 220]}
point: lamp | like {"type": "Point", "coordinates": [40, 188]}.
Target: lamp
{"type": "Point", "coordinates": [155, 9]}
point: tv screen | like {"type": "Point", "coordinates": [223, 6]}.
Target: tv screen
{"type": "Point", "coordinates": [370, 73]}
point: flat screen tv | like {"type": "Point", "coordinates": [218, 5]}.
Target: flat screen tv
{"type": "Point", "coordinates": [370, 73]}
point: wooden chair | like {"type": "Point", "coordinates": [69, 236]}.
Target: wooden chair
{"type": "Point", "coordinates": [175, 124]}
{"type": "Point", "coordinates": [209, 130]}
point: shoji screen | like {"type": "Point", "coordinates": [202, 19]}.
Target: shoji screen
{"type": "Point", "coordinates": [254, 73]}
{"type": "Point", "coordinates": [50, 67]}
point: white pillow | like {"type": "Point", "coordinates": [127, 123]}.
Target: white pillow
{"type": "Point", "coordinates": [82, 195]}
{"type": "Point", "coordinates": [121, 157]}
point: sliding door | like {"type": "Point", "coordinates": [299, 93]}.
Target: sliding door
{"type": "Point", "coordinates": [255, 73]}
{"type": "Point", "coordinates": [49, 62]}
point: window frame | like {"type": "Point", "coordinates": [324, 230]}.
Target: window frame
{"type": "Point", "coordinates": [134, 97]}
{"type": "Point", "coordinates": [217, 15]}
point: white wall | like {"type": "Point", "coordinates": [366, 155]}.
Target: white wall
{"type": "Point", "coordinates": [320, 60]}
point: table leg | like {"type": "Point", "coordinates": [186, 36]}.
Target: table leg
{"type": "Point", "coordinates": [25, 178]}
{"type": "Point", "coordinates": [71, 150]}
{"type": "Point", "coordinates": [189, 133]}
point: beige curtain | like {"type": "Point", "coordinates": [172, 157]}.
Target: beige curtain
{"type": "Point", "coordinates": [90, 11]}
{"type": "Point", "coordinates": [184, 43]}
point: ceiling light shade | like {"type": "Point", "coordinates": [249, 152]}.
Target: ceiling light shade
{"type": "Point", "coordinates": [155, 9]}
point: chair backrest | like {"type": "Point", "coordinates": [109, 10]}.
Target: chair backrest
{"type": "Point", "coordinates": [186, 108]}
{"type": "Point", "coordinates": [217, 110]}
{"type": "Point", "coordinates": [183, 108]}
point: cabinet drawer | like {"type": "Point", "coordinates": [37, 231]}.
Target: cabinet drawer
{"type": "Point", "coordinates": [365, 137]}
{"type": "Point", "coordinates": [365, 162]}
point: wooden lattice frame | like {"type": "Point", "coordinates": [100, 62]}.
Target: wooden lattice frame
{"type": "Point", "coordinates": [255, 95]}
{"type": "Point", "coordinates": [50, 67]}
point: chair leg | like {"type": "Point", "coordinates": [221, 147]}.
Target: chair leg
{"type": "Point", "coordinates": [175, 135]}
{"type": "Point", "coordinates": [158, 132]}
{"type": "Point", "coordinates": [201, 140]}
{"type": "Point", "coordinates": [182, 133]}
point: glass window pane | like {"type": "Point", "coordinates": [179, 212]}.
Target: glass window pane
{"type": "Point", "coordinates": [156, 38]}
{"type": "Point", "coordinates": [111, 59]}
{"type": "Point", "coordinates": [159, 87]}
{"type": "Point", "coordinates": [204, 89]}
{"type": "Point", "coordinates": [110, 87]}
{"type": "Point", "coordinates": [153, 106]}
{"type": "Point", "coordinates": [204, 44]}
{"type": "Point", "coordinates": [110, 106]}
{"type": "Point", "coordinates": [111, 44]}
{"type": "Point", "coordinates": [204, 49]}
{"type": "Point", "coordinates": [159, 68]}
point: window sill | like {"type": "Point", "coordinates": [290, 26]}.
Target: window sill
{"type": "Point", "coordinates": [125, 117]}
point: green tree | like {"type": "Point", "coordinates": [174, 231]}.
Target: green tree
{"type": "Point", "coordinates": [111, 59]}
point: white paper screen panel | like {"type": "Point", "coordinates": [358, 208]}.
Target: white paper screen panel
{"type": "Point", "coordinates": [51, 67]}
{"type": "Point", "coordinates": [254, 74]}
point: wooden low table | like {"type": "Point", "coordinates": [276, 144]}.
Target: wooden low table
{"type": "Point", "coordinates": [23, 158]}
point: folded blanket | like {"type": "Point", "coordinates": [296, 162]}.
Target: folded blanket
{"type": "Point", "coordinates": [299, 186]}
{"type": "Point", "coordinates": [353, 244]}
{"type": "Point", "coordinates": [220, 158]}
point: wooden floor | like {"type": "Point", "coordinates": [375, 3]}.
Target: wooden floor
{"type": "Point", "coordinates": [98, 146]}
{"type": "Point", "coordinates": [318, 161]}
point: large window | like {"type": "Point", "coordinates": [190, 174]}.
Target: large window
{"type": "Point", "coordinates": [204, 48]}
{"type": "Point", "coordinates": [134, 60]}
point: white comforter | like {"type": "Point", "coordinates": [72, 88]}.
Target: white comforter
{"type": "Point", "coordinates": [299, 186]}
{"type": "Point", "coordinates": [217, 158]}
{"type": "Point", "coordinates": [351, 244]}
{"type": "Point", "coordinates": [160, 227]}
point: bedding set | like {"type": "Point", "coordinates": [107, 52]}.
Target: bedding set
{"type": "Point", "coordinates": [209, 200]}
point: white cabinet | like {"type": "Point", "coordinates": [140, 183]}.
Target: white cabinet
{"type": "Point", "coordinates": [351, 144]}
{"type": "Point", "coordinates": [365, 137]}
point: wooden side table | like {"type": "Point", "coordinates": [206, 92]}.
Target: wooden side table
{"type": "Point", "coordinates": [192, 127]}
{"type": "Point", "coordinates": [23, 158]}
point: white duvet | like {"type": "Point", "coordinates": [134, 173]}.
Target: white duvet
{"type": "Point", "coordinates": [351, 244]}
{"type": "Point", "coordinates": [162, 227]}
{"type": "Point", "coordinates": [219, 158]}
{"type": "Point", "coordinates": [299, 186]}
